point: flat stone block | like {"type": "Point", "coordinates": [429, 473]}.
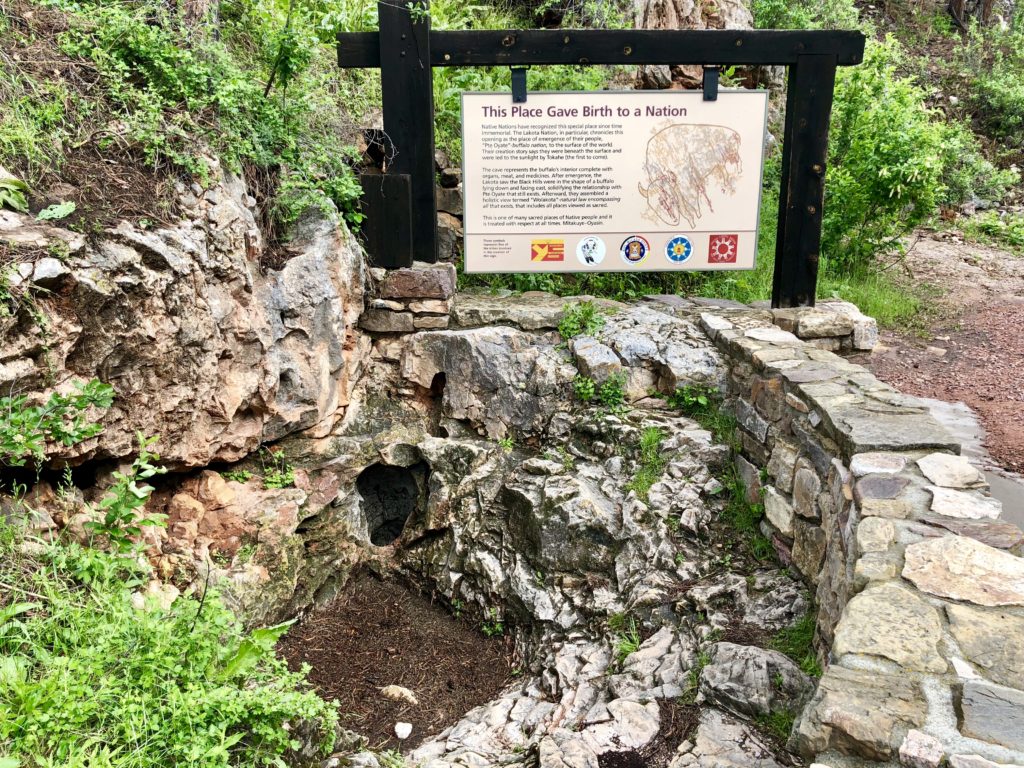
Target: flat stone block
{"type": "Point", "coordinates": [950, 471]}
{"type": "Point", "coordinates": [877, 464]}
{"type": "Point", "coordinates": [421, 281]}
{"type": "Point", "coordinates": [893, 623]}
{"type": "Point", "coordinates": [993, 713]}
{"type": "Point", "coordinates": [386, 321]}
{"type": "Point", "coordinates": [964, 569]}
{"type": "Point", "coordinates": [970, 506]}
{"type": "Point", "coordinates": [992, 640]}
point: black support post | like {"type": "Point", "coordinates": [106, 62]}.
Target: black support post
{"type": "Point", "coordinates": [804, 152]}
{"type": "Point", "coordinates": [408, 99]}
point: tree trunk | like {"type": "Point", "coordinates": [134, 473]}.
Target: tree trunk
{"type": "Point", "coordinates": [964, 10]}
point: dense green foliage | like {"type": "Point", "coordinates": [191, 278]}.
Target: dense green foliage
{"type": "Point", "coordinates": [87, 680]}
{"type": "Point", "coordinates": [257, 87]}
{"type": "Point", "coordinates": [994, 60]}
{"type": "Point", "coordinates": [25, 429]}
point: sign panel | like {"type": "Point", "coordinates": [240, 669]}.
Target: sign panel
{"type": "Point", "coordinates": [612, 181]}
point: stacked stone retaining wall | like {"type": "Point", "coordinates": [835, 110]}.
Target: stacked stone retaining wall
{"type": "Point", "coordinates": [920, 587]}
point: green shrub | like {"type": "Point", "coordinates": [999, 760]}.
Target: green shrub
{"type": "Point", "coordinates": [584, 388]}
{"type": "Point", "coordinates": [122, 504]}
{"type": "Point", "coordinates": [994, 57]}
{"type": "Point", "coordinates": [885, 161]}
{"type": "Point", "coordinates": [583, 318]}
{"type": "Point", "coordinates": [259, 88]}
{"type": "Point", "coordinates": [89, 681]}
{"type": "Point", "coordinates": [800, 14]}
{"type": "Point", "coordinates": [966, 174]}
{"type": "Point", "coordinates": [991, 227]}
{"type": "Point", "coordinates": [25, 429]}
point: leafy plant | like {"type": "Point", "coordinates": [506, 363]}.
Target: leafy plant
{"type": "Point", "coordinates": [237, 475]}
{"type": "Point", "coordinates": [584, 387]}
{"type": "Point", "coordinates": [612, 393]}
{"type": "Point", "coordinates": [492, 625]}
{"type": "Point", "coordinates": [277, 472]}
{"type": "Point", "coordinates": [507, 444]}
{"type": "Point", "coordinates": [582, 318]}
{"type": "Point", "coordinates": [25, 429]}
{"type": "Point", "coordinates": [122, 505]}
{"type": "Point", "coordinates": [92, 681]}
{"type": "Point", "coordinates": [56, 211]}
{"type": "Point", "coordinates": [12, 194]}
{"type": "Point", "coordinates": [990, 227]}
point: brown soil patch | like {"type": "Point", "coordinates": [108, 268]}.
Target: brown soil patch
{"type": "Point", "coordinates": [382, 633]}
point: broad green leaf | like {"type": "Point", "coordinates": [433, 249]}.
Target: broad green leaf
{"type": "Point", "coordinates": [57, 211]}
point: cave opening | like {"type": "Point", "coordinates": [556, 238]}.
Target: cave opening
{"type": "Point", "coordinates": [390, 495]}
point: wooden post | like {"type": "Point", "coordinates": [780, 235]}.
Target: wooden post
{"type": "Point", "coordinates": [407, 80]}
{"type": "Point", "coordinates": [387, 228]}
{"type": "Point", "coordinates": [804, 152]}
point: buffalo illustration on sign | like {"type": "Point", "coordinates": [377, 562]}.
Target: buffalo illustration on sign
{"type": "Point", "coordinates": [682, 160]}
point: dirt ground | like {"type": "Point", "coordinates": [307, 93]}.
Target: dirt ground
{"type": "Point", "coordinates": [973, 349]}
{"type": "Point", "coordinates": [381, 633]}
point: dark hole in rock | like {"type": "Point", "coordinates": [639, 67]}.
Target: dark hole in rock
{"type": "Point", "coordinates": [390, 495]}
{"type": "Point", "coordinates": [437, 383]}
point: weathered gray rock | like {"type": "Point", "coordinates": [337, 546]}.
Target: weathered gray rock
{"type": "Point", "coordinates": [499, 380]}
{"type": "Point", "coordinates": [778, 511]}
{"type": "Point", "coordinates": [993, 713]}
{"type": "Point", "coordinates": [993, 640]}
{"type": "Point", "coordinates": [752, 681]}
{"type": "Point", "coordinates": [531, 313]}
{"type": "Point", "coordinates": [378, 320]}
{"type": "Point", "coordinates": [963, 505]}
{"type": "Point", "coordinates": [182, 316]}
{"type": "Point", "coordinates": [724, 742]}
{"type": "Point", "coordinates": [991, 532]}
{"type": "Point", "coordinates": [783, 464]}
{"type": "Point", "coordinates": [877, 464]}
{"type": "Point", "coordinates": [657, 669]}
{"type": "Point", "coordinates": [977, 761]}
{"type": "Point", "coordinates": [949, 471]}
{"type": "Point", "coordinates": [594, 359]}
{"type": "Point", "coordinates": [567, 522]}
{"type": "Point", "coordinates": [860, 712]}
{"type": "Point", "coordinates": [891, 622]}
{"type": "Point", "coordinates": [964, 569]}
{"type": "Point", "coordinates": [806, 487]}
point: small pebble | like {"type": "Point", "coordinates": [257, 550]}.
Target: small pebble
{"type": "Point", "coordinates": [402, 730]}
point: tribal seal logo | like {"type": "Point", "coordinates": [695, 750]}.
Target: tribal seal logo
{"type": "Point", "coordinates": [722, 249]}
{"type": "Point", "coordinates": [634, 249]}
{"type": "Point", "coordinates": [590, 251]}
{"type": "Point", "coordinates": [678, 249]}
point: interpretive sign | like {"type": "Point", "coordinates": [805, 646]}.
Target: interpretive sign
{"type": "Point", "coordinates": [612, 181]}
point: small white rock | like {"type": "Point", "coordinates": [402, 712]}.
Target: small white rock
{"type": "Point", "coordinates": [403, 730]}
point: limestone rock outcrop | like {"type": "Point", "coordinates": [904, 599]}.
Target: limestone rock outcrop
{"type": "Point", "coordinates": [202, 346]}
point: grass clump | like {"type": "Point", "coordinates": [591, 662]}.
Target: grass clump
{"type": "Point", "coordinates": [797, 642]}
{"type": "Point", "coordinates": [650, 465]}
{"type": "Point", "coordinates": [627, 641]}
{"type": "Point", "coordinates": [88, 680]}
{"type": "Point", "coordinates": [778, 724]}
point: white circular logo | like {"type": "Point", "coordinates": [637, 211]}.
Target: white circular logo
{"type": "Point", "coordinates": [590, 251]}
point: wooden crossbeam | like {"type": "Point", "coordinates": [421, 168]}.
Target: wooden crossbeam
{"type": "Point", "coordinates": [477, 48]}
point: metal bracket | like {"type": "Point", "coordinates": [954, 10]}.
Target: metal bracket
{"type": "Point", "coordinates": [711, 83]}
{"type": "Point", "coordinates": [519, 84]}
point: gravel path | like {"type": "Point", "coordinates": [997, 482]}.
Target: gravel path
{"type": "Point", "coordinates": [974, 353]}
